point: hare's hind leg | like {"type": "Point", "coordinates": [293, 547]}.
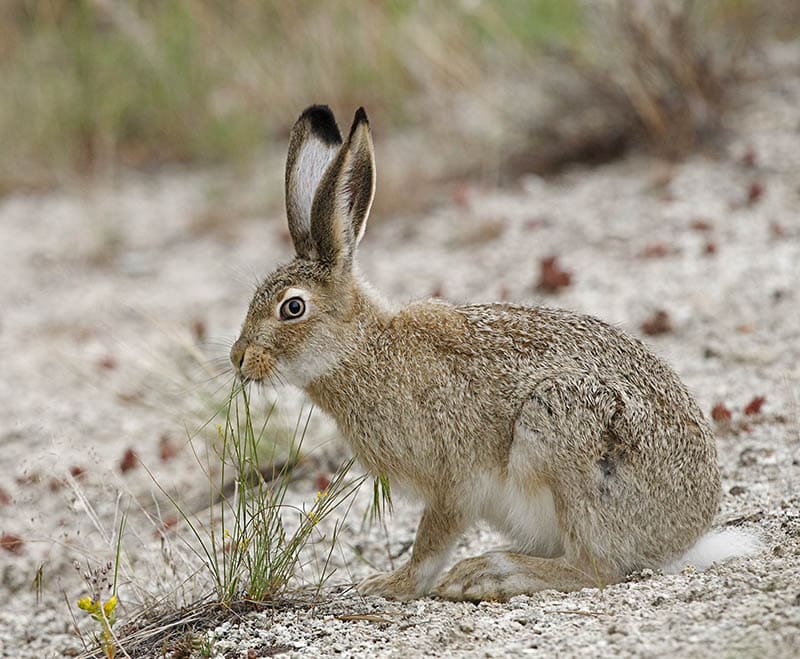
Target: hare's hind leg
{"type": "Point", "coordinates": [500, 575]}
{"type": "Point", "coordinates": [558, 441]}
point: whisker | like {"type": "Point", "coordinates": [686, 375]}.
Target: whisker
{"type": "Point", "coordinates": [219, 342]}
{"type": "Point", "coordinates": [280, 377]}
{"type": "Point", "coordinates": [228, 376]}
{"type": "Point", "coordinates": [244, 274]}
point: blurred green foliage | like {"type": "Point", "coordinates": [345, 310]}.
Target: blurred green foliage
{"type": "Point", "coordinates": [87, 83]}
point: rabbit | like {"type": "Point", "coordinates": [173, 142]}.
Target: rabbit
{"type": "Point", "coordinates": [561, 431]}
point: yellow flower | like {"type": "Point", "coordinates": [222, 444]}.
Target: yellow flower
{"type": "Point", "coordinates": [88, 605]}
{"type": "Point", "coordinates": [109, 606]}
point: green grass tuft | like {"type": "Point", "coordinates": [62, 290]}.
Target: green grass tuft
{"type": "Point", "coordinates": [253, 542]}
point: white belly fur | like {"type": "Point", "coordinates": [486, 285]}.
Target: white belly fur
{"type": "Point", "coordinates": [528, 518]}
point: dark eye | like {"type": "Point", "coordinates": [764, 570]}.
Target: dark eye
{"type": "Point", "coordinates": [292, 308]}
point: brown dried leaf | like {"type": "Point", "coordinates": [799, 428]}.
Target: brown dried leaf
{"type": "Point", "coordinates": [658, 323]}
{"type": "Point", "coordinates": [322, 482]}
{"type": "Point", "coordinates": [701, 225]}
{"type": "Point", "coordinates": [107, 363]}
{"type": "Point", "coordinates": [754, 192]}
{"type": "Point", "coordinates": [13, 544]}
{"type": "Point", "coordinates": [551, 277]}
{"type": "Point", "coordinates": [720, 413]}
{"type": "Point", "coordinates": [129, 461]}
{"type": "Point", "coordinates": [56, 484]}
{"type": "Point", "coordinates": [755, 405]}
{"type": "Point", "coordinates": [656, 251]}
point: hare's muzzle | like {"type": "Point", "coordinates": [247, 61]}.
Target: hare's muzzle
{"type": "Point", "coordinates": [252, 361]}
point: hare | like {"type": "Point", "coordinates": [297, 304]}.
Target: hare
{"type": "Point", "coordinates": [563, 432]}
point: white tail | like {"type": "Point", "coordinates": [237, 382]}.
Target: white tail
{"type": "Point", "coordinates": [716, 546]}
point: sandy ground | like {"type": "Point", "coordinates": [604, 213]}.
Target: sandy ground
{"type": "Point", "coordinates": [118, 305]}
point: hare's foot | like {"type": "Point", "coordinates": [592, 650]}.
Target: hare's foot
{"type": "Point", "coordinates": [398, 585]}
{"type": "Point", "coordinates": [438, 528]}
{"type": "Point", "coordinates": [501, 575]}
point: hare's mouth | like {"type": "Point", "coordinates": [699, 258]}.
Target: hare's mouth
{"type": "Point", "coordinates": [252, 362]}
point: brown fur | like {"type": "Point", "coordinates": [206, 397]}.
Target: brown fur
{"type": "Point", "coordinates": [586, 435]}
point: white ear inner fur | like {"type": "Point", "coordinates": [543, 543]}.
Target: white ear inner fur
{"type": "Point", "coordinates": [312, 161]}
{"type": "Point", "coordinates": [369, 207]}
{"type": "Point", "coordinates": [289, 293]}
{"type": "Point", "coordinates": [363, 228]}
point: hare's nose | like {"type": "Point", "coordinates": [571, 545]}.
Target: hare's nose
{"type": "Point", "coordinates": [237, 354]}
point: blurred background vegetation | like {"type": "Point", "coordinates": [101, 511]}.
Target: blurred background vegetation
{"type": "Point", "coordinates": [518, 85]}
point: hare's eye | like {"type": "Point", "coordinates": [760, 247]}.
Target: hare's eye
{"type": "Point", "coordinates": [292, 308]}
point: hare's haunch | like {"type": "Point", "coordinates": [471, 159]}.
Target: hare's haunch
{"type": "Point", "coordinates": [560, 430]}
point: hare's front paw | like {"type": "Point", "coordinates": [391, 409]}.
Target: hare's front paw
{"type": "Point", "coordinates": [397, 585]}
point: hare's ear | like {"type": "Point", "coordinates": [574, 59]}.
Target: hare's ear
{"type": "Point", "coordinates": [314, 143]}
{"type": "Point", "coordinates": [344, 197]}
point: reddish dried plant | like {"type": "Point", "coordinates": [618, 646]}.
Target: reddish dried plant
{"type": "Point", "coordinates": [658, 323]}
{"type": "Point", "coordinates": [777, 230]}
{"type": "Point", "coordinates": [107, 363]}
{"type": "Point", "coordinates": [754, 192]}
{"type": "Point", "coordinates": [552, 277]}
{"type": "Point", "coordinates": [322, 482]}
{"type": "Point", "coordinates": [701, 225]}
{"type": "Point", "coordinates": [720, 413]}
{"type": "Point", "coordinates": [129, 461]}
{"type": "Point", "coordinates": [656, 251]}
{"type": "Point", "coordinates": [755, 405]}
{"type": "Point", "coordinates": [13, 544]}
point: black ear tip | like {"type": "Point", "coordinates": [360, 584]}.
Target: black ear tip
{"type": "Point", "coordinates": [360, 118]}
{"type": "Point", "coordinates": [361, 115]}
{"type": "Point", "coordinates": [322, 123]}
